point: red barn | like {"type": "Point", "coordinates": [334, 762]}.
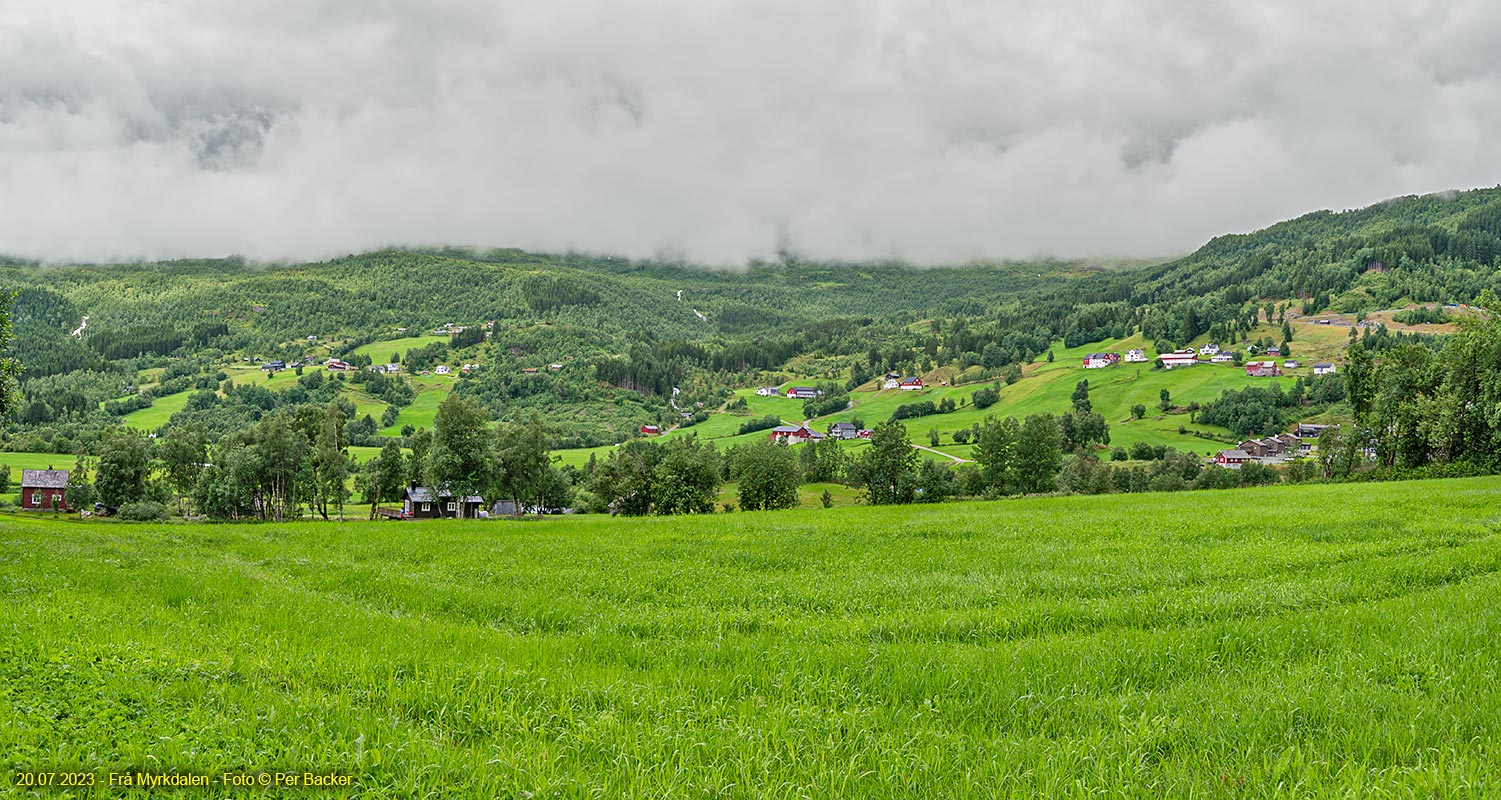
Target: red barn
{"type": "Point", "coordinates": [39, 486]}
{"type": "Point", "coordinates": [650, 430]}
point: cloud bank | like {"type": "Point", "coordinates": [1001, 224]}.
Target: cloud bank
{"type": "Point", "coordinates": [935, 131]}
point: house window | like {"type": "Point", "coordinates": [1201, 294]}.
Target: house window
{"type": "Point", "coordinates": [426, 506]}
{"type": "Point", "coordinates": [450, 506]}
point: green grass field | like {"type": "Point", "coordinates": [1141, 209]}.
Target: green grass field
{"type": "Point", "coordinates": [156, 415]}
{"type": "Point", "coordinates": [20, 461]}
{"type": "Point", "coordinates": [380, 352]}
{"type": "Point", "coordinates": [1311, 641]}
{"type": "Point", "coordinates": [431, 391]}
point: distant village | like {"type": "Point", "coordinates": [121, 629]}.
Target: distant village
{"type": "Point", "coordinates": [1269, 450]}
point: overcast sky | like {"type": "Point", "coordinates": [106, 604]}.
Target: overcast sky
{"type": "Point", "coordinates": [936, 132]}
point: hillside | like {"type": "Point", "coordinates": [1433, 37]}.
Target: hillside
{"type": "Point", "coordinates": [1165, 646]}
{"type": "Point", "coordinates": [598, 347]}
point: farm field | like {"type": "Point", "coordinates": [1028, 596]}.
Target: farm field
{"type": "Point", "coordinates": [380, 352]}
{"type": "Point", "coordinates": [431, 390]}
{"type": "Point", "coordinates": [1123, 646]}
{"type": "Point", "coordinates": [20, 461]}
{"type": "Point", "coordinates": [156, 415]}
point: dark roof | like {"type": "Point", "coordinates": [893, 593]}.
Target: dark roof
{"type": "Point", "coordinates": [44, 479]}
{"type": "Point", "coordinates": [842, 426]}
{"type": "Point", "coordinates": [1323, 364]}
{"type": "Point", "coordinates": [419, 494]}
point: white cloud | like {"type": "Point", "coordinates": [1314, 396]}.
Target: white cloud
{"type": "Point", "coordinates": [721, 131]}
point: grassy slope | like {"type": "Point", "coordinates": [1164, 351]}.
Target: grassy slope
{"type": "Point", "coordinates": [380, 352]}
{"type": "Point", "coordinates": [1047, 389]}
{"type": "Point", "coordinates": [1144, 646]}
{"type": "Point", "coordinates": [156, 415]}
{"type": "Point", "coordinates": [431, 391]}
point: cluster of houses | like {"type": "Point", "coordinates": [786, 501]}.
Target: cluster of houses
{"type": "Point", "coordinates": [1270, 449]}
{"type": "Point", "coordinates": [797, 434]}
{"type": "Point", "coordinates": [1189, 357]}
{"type": "Point", "coordinates": [907, 384]}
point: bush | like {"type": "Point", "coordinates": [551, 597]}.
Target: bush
{"type": "Point", "coordinates": [143, 511]}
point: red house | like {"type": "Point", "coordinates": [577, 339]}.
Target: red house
{"type": "Point", "coordinates": [650, 430]}
{"type": "Point", "coordinates": [1231, 459]}
{"type": "Point", "coordinates": [911, 384]}
{"type": "Point", "coordinates": [39, 486]}
{"type": "Point", "coordinates": [794, 434]}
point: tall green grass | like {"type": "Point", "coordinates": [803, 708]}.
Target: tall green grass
{"type": "Point", "coordinates": [1323, 641]}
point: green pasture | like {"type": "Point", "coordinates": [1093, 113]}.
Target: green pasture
{"type": "Point", "coordinates": [156, 415]}
{"type": "Point", "coordinates": [20, 461]}
{"type": "Point", "coordinates": [380, 352]}
{"type": "Point", "coordinates": [1343, 644]}
{"type": "Point", "coordinates": [431, 391]}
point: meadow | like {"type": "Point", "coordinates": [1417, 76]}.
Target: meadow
{"type": "Point", "coordinates": [1294, 641]}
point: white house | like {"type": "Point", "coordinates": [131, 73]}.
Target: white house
{"type": "Point", "coordinates": [1323, 368]}
{"type": "Point", "coordinates": [1222, 358]}
{"type": "Point", "coordinates": [442, 369]}
{"type": "Point", "coordinates": [891, 383]}
{"type": "Point", "coordinates": [1180, 358]}
{"type": "Point", "coordinates": [767, 391]}
{"type": "Point", "coordinates": [1136, 356]}
{"type": "Point", "coordinates": [1101, 360]}
{"type": "Point", "coordinates": [1210, 349]}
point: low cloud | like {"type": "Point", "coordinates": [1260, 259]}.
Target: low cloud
{"type": "Point", "coordinates": [719, 132]}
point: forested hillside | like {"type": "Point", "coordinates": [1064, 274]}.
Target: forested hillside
{"type": "Point", "coordinates": [604, 350]}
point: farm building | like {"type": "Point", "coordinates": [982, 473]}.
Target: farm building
{"type": "Point", "coordinates": [650, 430]}
{"type": "Point", "coordinates": [911, 384]}
{"type": "Point", "coordinates": [767, 391]}
{"type": "Point", "coordinates": [1210, 349]}
{"type": "Point", "coordinates": [1223, 358]}
{"type": "Point", "coordinates": [1136, 356]}
{"type": "Point", "coordinates": [40, 486]}
{"type": "Point", "coordinates": [891, 383]}
{"type": "Point", "coordinates": [1180, 358]}
{"type": "Point", "coordinates": [1291, 364]}
{"type": "Point", "coordinates": [793, 434]}
{"type": "Point", "coordinates": [1323, 368]}
{"type": "Point", "coordinates": [1101, 360]}
{"type": "Point", "coordinates": [1263, 369]}
{"type": "Point", "coordinates": [802, 393]}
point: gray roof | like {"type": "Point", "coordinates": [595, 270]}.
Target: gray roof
{"type": "Point", "coordinates": [422, 494]}
{"type": "Point", "coordinates": [44, 478]}
{"type": "Point", "coordinates": [1323, 364]}
{"type": "Point", "coordinates": [1235, 454]}
{"type": "Point", "coordinates": [841, 425]}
